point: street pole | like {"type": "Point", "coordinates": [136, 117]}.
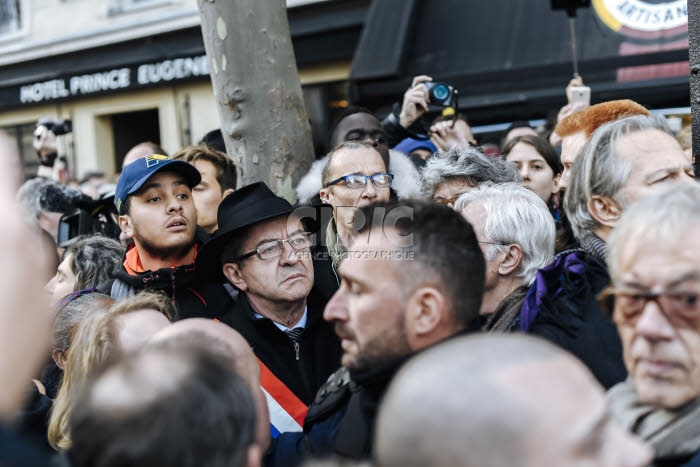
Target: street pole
{"type": "Point", "coordinates": [694, 53]}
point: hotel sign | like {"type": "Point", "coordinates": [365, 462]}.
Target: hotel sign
{"type": "Point", "coordinates": [143, 75]}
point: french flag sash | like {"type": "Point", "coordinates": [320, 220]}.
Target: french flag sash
{"type": "Point", "coordinates": [287, 412]}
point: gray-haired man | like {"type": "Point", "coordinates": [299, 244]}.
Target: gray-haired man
{"type": "Point", "coordinates": [452, 173]}
{"type": "Point", "coordinates": [516, 232]}
{"type": "Point", "coordinates": [654, 263]}
{"type": "Point", "coordinates": [623, 162]}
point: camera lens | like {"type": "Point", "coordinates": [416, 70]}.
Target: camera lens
{"type": "Point", "coordinates": [441, 92]}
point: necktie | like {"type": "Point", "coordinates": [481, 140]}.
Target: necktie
{"type": "Point", "coordinates": [295, 334]}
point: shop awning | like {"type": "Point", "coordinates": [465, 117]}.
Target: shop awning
{"type": "Point", "coordinates": [511, 59]}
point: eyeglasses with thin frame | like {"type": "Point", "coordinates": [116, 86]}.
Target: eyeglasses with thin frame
{"type": "Point", "coordinates": [274, 248]}
{"type": "Point", "coordinates": [446, 201]}
{"type": "Point", "coordinates": [626, 305]}
{"type": "Point", "coordinates": [494, 243]}
{"type": "Point", "coordinates": [359, 181]}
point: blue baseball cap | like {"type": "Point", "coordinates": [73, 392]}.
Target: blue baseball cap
{"type": "Point", "coordinates": [409, 145]}
{"type": "Point", "coordinates": [134, 175]}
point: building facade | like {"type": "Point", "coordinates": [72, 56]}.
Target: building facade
{"type": "Point", "coordinates": [128, 71]}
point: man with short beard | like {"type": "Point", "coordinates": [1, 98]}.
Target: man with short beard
{"type": "Point", "coordinates": [158, 216]}
{"type": "Point", "coordinates": [418, 280]}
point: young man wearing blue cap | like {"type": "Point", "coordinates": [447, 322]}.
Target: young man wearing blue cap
{"type": "Point", "coordinates": [158, 216]}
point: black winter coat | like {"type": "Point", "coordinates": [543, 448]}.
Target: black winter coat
{"type": "Point", "coordinates": [192, 295]}
{"type": "Point", "coordinates": [573, 320]}
{"type": "Point", "coordinates": [302, 369]}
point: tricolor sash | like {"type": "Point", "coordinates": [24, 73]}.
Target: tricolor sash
{"type": "Point", "coordinates": [287, 412]}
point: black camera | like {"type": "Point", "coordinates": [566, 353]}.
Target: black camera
{"type": "Point", "coordinates": [82, 214]}
{"type": "Point", "coordinates": [90, 217]}
{"type": "Point", "coordinates": [442, 94]}
{"type": "Point", "coordinates": [58, 127]}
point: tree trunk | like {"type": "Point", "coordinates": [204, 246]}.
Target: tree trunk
{"type": "Point", "coordinates": [694, 53]}
{"type": "Point", "coordinates": [257, 88]}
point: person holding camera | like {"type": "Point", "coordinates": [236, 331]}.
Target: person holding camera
{"type": "Point", "coordinates": [45, 144]}
{"type": "Point", "coordinates": [415, 103]}
{"type": "Point", "coordinates": [402, 123]}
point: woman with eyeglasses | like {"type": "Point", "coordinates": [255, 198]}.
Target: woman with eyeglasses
{"type": "Point", "coordinates": [455, 172]}
{"type": "Point", "coordinates": [354, 177]}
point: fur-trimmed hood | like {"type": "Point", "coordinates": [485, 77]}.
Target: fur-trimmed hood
{"type": "Point", "coordinates": [406, 178]}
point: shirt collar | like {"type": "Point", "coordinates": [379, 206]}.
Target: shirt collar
{"type": "Point", "coordinates": [282, 327]}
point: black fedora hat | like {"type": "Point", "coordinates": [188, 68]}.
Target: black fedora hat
{"type": "Point", "coordinates": [243, 208]}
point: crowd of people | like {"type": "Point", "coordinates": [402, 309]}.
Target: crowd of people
{"type": "Point", "coordinates": [426, 302]}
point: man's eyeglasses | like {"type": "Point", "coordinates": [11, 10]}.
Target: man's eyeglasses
{"type": "Point", "coordinates": [627, 305]}
{"type": "Point", "coordinates": [72, 296]}
{"type": "Point", "coordinates": [446, 201]}
{"type": "Point", "coordinates": [359, 181]}
{"type": "Point", "coordinates": [275, 248]}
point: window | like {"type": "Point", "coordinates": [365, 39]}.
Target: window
{"type": "Point", "coordinates": [9, 16]}
{"type": "Point", "coordinates": [117, 7]}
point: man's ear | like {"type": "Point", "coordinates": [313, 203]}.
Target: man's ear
{"type": "Point", "coordinates": [605, 210]}
{"type": "Point", "coordinates": [227, 192]}
{"type": "Point", "coordinates": [511, 260]}
{"type": "Point", "coordinates": [126, 226]}
{"type": "Point", "coordinates": [555, 184]}
{"type": "Point", "coordinates": [253, 456]}
{"type": "Point", "coordinates": [233, 274]}
{"type": "Point", "coordinates": [57, 356]}
{"type": "Point", "coordinates": [426, 310]}
{"type": "Point", "coordinates": [325, 194]}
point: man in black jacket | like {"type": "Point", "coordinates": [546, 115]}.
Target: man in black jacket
{"type": "Point", "coordinates": [263, 250]}
{"type": "Point", "coordinates": [157, 213]}
{"type": "Point", "coordinates": [624, 162]}
{"type": "Point", "coordinates": [418, 280]}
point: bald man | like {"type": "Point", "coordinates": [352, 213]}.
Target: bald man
{"type": "Point", "coordinates": [169, 404]}
{"type": "Point", "coordinates": [224, 340]}
{"type": "Point", "coordinates": [499, 400]}
{"type": "Point", "coordinates": [142, 150]}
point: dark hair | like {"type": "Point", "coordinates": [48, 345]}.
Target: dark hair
{"type": "Point", "coordinates": [94, 260]}
{"type": "Point", "coordinates": [445, 251]}
{"type": "Point", "coordinates": [543, 148]}
{"type": "Point", "coordinates": [233, 247]}
{"type": "Point", "coordinates": [350, 110]}
{"type": "Point", "coordinates": [126, 205]}
{"type": "Point", "coordinates": [226, 174]}
{"type": "Point", "coordinates": [215, 140]}
{"type": "Point", "coordinates": [198, 413]}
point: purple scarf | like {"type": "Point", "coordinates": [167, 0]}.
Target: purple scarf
{"type": "Point", "coordinates": [567, 264]}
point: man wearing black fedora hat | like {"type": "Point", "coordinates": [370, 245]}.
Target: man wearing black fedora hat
{"type": "Point", "coordinates": [157, 214]}
{"type": "Point", "coordinates": [262, 248]}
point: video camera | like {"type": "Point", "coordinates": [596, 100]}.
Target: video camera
{"type": "Point", "coordinates": [82, 214]}
{"type": "Point", "coordinates": [57, 127]}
